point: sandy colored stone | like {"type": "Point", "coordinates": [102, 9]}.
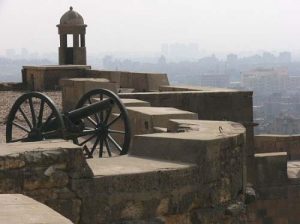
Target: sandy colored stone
{"type": "Point", "coordinates": [20, 147]}
{"type": "Point", "coordinates": [19, 209]}
{"type": "Point", "coordinates": [122, 165]}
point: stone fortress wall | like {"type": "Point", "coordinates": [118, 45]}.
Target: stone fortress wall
{"type": "Point", "coordinates": [179, 169]}
{"type": "Point", "coordinates": [172, 142]}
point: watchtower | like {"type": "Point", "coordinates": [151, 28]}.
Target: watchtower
{"type": "Point", "coordinates": [71, 30]}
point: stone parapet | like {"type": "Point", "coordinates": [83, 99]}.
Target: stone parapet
{"type": "Point", "coordinates": [140, 82]}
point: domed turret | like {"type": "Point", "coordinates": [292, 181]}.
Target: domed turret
{"type": "Point", "coordinates": [72, 23]}
{"type": "Point", "coordinates": [71, 18]}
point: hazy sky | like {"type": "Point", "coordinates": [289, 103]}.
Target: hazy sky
{"type": "Point", "coordinates": [143, 25]}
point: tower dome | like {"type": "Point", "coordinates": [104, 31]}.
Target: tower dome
{"type": "Point", "coordinates": [72, 18]}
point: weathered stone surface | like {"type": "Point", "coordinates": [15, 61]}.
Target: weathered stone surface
{"type": "Point", "coordinates": [19, 209]}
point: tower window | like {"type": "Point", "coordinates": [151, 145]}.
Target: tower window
{"type": "Point", "coordinates": [69, 40]}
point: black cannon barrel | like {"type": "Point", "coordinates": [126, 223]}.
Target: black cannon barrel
{"type": "Point", "coordinates": [77, 114]}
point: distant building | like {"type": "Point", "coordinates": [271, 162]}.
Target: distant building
{"type": "Point", "coordinates": [215, 80]}
{"type": "Point", "coordinates": [285, 124]}
{"type": "Point", "coordinates": [266, 81]}
{"type": "Point", "coordinates": [285, 57]}
{"type": "Point", "coordinates": [294, 83]}
{"type": "Point", "coordinates": [180, 51]}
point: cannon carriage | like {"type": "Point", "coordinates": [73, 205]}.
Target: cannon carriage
{"type": "Point", "coordinates": [99, 123]}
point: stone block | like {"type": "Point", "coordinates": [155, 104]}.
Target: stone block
{"type": "Point", "coordinates": [271, 168]}
{"type": "Point", "coordinates": [217, 163]}
{"type": "Point", "coordinates": [74, 89]}
{"type": "Point", "coordinates": [144, 119]}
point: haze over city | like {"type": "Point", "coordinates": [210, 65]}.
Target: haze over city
{"type": "Point", "coordinates": [144, 25]}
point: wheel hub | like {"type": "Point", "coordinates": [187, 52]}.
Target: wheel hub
{"type": "Point", "coordinates": [102, 129]}
{"type": "Point", "coordinates": [35, 135]}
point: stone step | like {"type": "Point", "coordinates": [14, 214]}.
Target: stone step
{"type": "Point", "coordinates": [20, 209]}
{"type": "Point", "coordinates": [144, 119]}
{"type": "Point", "coordinates": [190, 146]}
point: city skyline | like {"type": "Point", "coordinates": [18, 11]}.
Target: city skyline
{"type": "Point", "coordinates": [143, 26]}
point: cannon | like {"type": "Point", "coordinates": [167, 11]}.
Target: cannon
{"type": "Point", "coordinates": [99, 123]}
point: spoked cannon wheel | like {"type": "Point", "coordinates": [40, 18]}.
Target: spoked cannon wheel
{"type": "Point", "coordinates": [109, 129]}
{"type": "Point", "coordinates": [34, 117]}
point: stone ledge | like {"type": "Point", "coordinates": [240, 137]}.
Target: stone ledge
{"type": "Point", "coordinates": [48, 145]}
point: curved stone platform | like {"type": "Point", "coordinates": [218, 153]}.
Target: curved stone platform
{"type": "Point", "coordinates": [20, 209]}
